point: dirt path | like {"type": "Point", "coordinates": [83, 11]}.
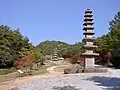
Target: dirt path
{"type": "Point", "coordinates": [10, 84]}
{"type": "Point", "coordinates": [52, 71]}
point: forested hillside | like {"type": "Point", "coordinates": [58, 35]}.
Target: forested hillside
{"type": "Point", "coordinates": [14, 47]}
{"type": "Point", "coordinates": [65, 50]}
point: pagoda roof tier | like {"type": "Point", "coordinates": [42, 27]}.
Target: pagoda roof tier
{"type": "Point", "coordinates": [54, 56]}
{"type": "Point", "coordinates": [88, 23]}
{"type": "Point", "coordinates": [89, 39]}
{"type": "Point", "coordinates": [88, 28]}
{"type": "Point", "coordinates": [54, 52]}
{"type": "Point", "coordinates": [90, 46]}
{"type": "Point", "coordinates": [88, 33]}
{"type": "Point", "coordinates": [55, 59]}
{"type": "Point", "coordinates": [88, 15]}
{"type": "Point", "coordinates": [90, 54]}
{"type": "Point", "coordinates": [88, 11]}
{"type": "Point", "coordinates": [88, 19]}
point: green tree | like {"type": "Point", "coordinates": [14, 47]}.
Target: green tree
{"type": "Point", "coordinates": [103, 48]}
{"type": "Point", "coordinates": [12, 45]}
{"type": "Point", "coordinates": [111, 42]}
{"type": "Point", "coordinates": [114, 36]}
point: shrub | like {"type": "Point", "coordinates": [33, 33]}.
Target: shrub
{"type": "Point", "coordinates": [26, 61]}
{"type": "Point", "coordinates": [76, 59]}
{"type": "Point", "coordinates": [116, 61]}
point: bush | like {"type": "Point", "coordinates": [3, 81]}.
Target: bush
{"type": "Point", "coordinates": [116, 61]}
{"type": "Point", "coordinates": [76, 59]}
{"type": "Point", "coordinates": [26, 61]}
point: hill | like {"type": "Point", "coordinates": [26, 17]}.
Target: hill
{"type": "Point", "coordinates": [64, 49]}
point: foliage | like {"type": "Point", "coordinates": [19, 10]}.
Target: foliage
{"type": "Point", "coordinates": [103, 48]}
{"type": "Point", "coordinates": [48, 47]}
{"type": "Point", "coordinates": [76, 59]}
{"type": "Point", "coordinates": [26, 61]}
{"type": "Point", "coordinates": [114, 36]}
{"type": "Point", "coordinates": [64, 50]}
{"type": "Point", "coordinates": [111, 42]}
{"type": "Point", "coordinates": [39, 57]}
{"type": "Point", "coordinates": [13, 46]}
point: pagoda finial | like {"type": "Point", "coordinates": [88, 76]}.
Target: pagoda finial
{"type": "Point", "coordinates": [88, 8]}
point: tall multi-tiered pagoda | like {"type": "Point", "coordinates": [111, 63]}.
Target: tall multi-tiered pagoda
{"type": "Point", "coordinates": [89, 42]}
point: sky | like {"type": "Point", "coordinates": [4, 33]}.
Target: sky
{"type": "Point", "coordinates": [61, 20]}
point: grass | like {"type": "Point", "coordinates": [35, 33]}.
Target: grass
{"type": "Point", "coordinates": [10, 74]}
{"type": "Point", "coordinates": [6, 71]}
{"type": "Point", "coordinates": [8, 77]}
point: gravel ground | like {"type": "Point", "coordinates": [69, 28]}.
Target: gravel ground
{"type": "Point", "coordinates": [74, 82]}
{"type": "Point", "coordinates": [82, 81]}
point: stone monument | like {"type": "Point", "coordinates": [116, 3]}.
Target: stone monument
{"type": "Point", "coordinates": [55, 55]}
{"type": "Point", "coordinates": [89, 42]}
{"type": "Point", "coordinates": [89, 46]}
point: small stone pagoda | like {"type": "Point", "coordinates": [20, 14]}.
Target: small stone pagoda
{"type": "Point", "coordinates": [89, 42]}
{"type": "Point", "coordinates": [55, 56]}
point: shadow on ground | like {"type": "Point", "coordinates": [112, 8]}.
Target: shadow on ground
{"type": "Point", "coordinates": [111, 83]}
{"type": "Point", "coordinates": [65, 88]}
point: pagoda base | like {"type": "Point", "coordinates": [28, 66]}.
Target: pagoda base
{"type": "Point", "coordinates": [89, 70]}
{"type": "Point", "coordinates": [89, 67]}
{"type": "Point", "coordinates": [79, 70]}
{"type": "Point", "coordinates": [89, 64]}
{"type": "Point", "coordinates": [95, 70]}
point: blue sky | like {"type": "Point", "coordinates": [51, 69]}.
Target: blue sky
{"type": "Point", "coordinates": [62, 20]}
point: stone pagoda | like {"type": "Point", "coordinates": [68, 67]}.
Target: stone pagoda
{"type": "Point", "coordinates": [55, 55]}
{"type": "Point", "coordinates": [89, 42]}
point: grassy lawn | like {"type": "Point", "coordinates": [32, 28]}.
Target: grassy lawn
{"type": "Point", "coordinates": [8, 77]}
{"type": "Point", "coordinates": [8, 74]}
{"type": "Point", "coordinates": [6, 71]}
{"type": "Point", "coordinates": [11, 74]}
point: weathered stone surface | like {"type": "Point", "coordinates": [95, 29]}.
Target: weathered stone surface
{"type": "Point", "coordinates": [89, 70]}
{"type": "Point", "coordinates": [70, 71]}
{"type": "Point", "coordinates": [101, 70]}
{"type": "Point", "coordinates": [89, 64]}
{"type": "Point", "coordinates": [73, 70]}
{"type": "Point", "coordinates": [80, 71]}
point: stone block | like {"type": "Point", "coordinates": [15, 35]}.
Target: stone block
{"type": "Point", "coordinates": [89, 64]}
{"type": "Point", "coordinates": [70, 71]}
{"type": "Point", "coordinates": [89, 70]}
